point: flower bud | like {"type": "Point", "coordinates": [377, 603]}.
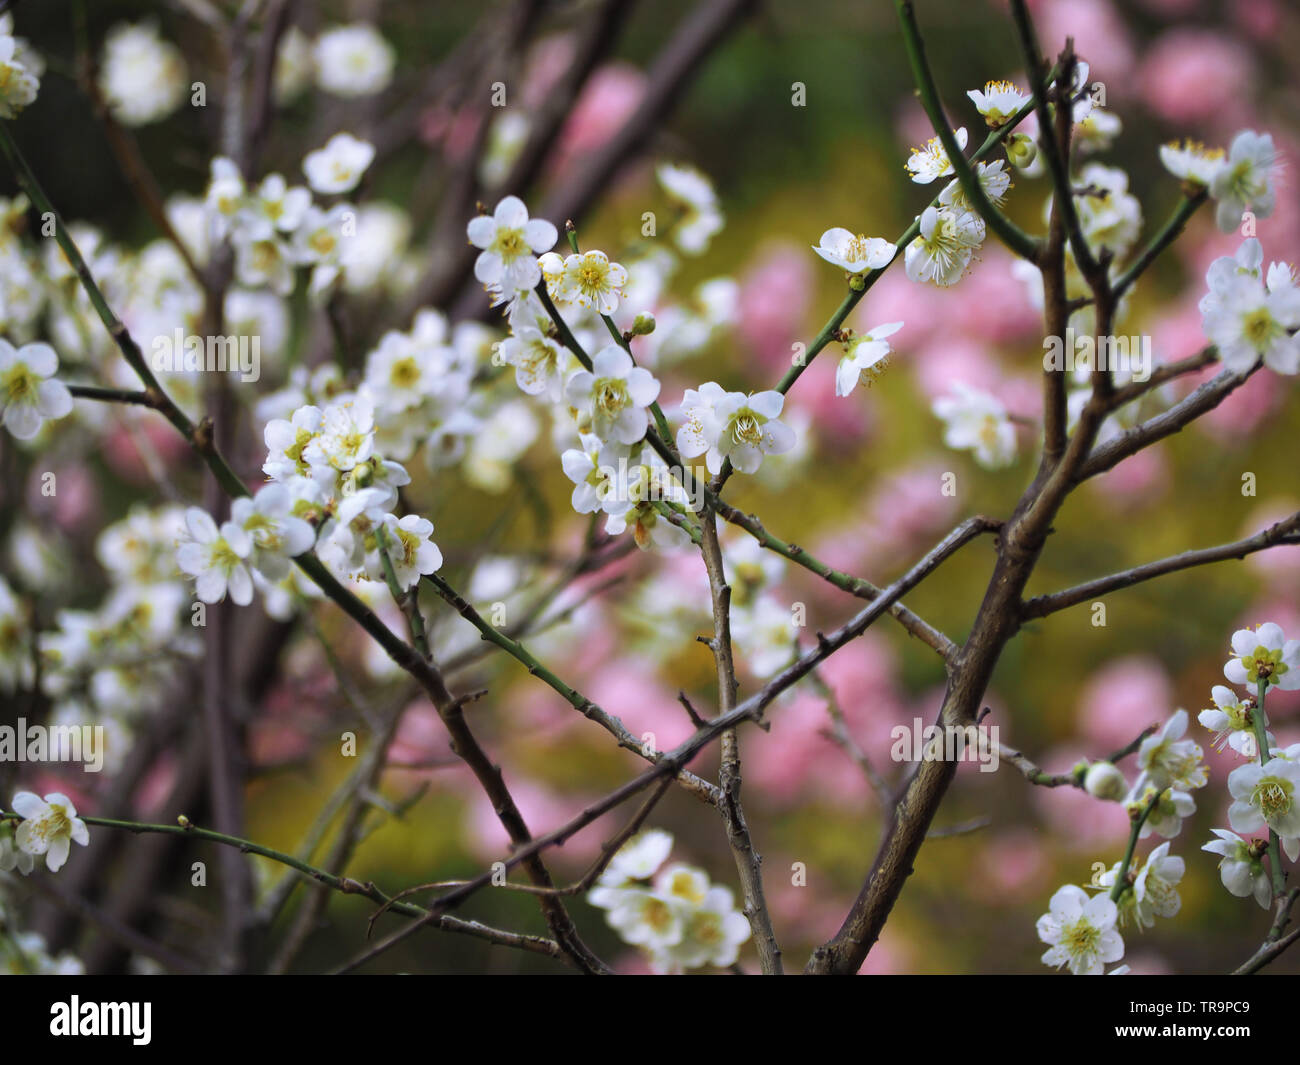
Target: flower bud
{"type": "Point", "coordinates": [1021, 149]}
{"type": "Point", "coordinates": [1104, 781]}
{"type": "Point", "coordinates": [643, 325]}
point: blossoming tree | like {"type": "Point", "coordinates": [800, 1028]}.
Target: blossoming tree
{"type": "Point", "coordinates": [300, 522]}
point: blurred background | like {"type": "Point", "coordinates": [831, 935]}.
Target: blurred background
{"type": "Point", "coordinates": [862, 491]}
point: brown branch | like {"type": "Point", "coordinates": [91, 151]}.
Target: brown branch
{"type": "Point", "coordinates": [749, 863]}
{"type": "Point", "coordinates": [1286, 531]}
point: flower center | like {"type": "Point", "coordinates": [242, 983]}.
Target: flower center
{"type": "Point", "coordinates": [746, 428]}
{"type": "Point", "coordinates": [610, 395]}
{"type": "Point", "coordinates": [21, 385]}
{"type": "Point", "coordinates": [509, 244]}
{"type": "Point", "coordinates": [1273, 797]}
{"type": "Point", "coordinates": [405, 374]}
{"type": "Point", "coordinates": [1260, 327]}
{"type": "Point", "coordinates": [1081, 938]}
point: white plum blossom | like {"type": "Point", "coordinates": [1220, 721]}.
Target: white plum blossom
{"type": "Point", "coordinates": [1241, 867]}
{"type": "Point", "coordinates": [1229, 720]}
{"type": "Point", "coordinates": [217, 559]}
{"type": "Point", "coordinates": [1266, 796]}
{"type": "Point", "coordinates": [930, 161]}
{"type": "Point", "coordinates": [866, 355]}
{"type": "Point", "coordinates": [854, 254]}
{"type": "Point", "coordinates": [510, 242]}
{"type": "Point", "coordinates": [49, 827]}
{"type": "Point", "coordinates": [353, 60]}
{"type": "Point", "coordinates": [765, 633]}
{"type": "Point", "coordinates": [274, 207]}
{"type": "Point", "coordinates": [1192, 161]}
{"type": "Point", "coordinates": [978, 422]}
{"type": "Point", "coordinates": [1097, 130]}
{"type": "Point", "coordinates": [29, 393]}
{"type": "Point", "coordinates": [1264, 653]}
{"type": "Point", "coordinates": [943, 249]}
{"type": "Point", "coordinates": [19, 79]}
{"type": "Point", "coordinates": [1249, 320]}
{"type": "Point", "coordinates": [998, 102]}
{"type": "Point", "coordinates": [592, 481]}
{"type": "Point", "coordinates": [1171, 809]}
{"type": "Point", "coordinates": [1171, 761]}
{"type": "Point", "coordinates": [702, 217]}
{"type": "Point", "coordinates": [748, 428]}
{"type": "Point", "coordinates": [287, 439]}
{"type": "Point", "coordinates": [1246, 179]}
{"type": "Point", "coordinates": [592, 280]}
{"type": "Point", "coordinates": [141, 76]}
{"type": "Point", "coordinates": [1080, 932]}
{"type": "Point", "coordinates": [994, 179]}
{"type": "Point", "coordinates": [612, 397]}
{"type": "Point", "coordinates": [14, 860]}
{"type": "Point", "coordinates": [679, 917]}
{"type": "Point", "coordinates": [410, 550]}
{"type": "Point", "coordinates": [540, 362]}
{"type": "Point", "coordinates": [1153, 889]}
{"type": "Point", "coordinates": [338, 166]}
{"type": "Point", "coordinates": [277, 535]}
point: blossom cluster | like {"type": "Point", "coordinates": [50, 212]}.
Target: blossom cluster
{"type": "Point", "coordinates": [1082, 932]}
{"type": "Point", "coordinates": [671, 911]}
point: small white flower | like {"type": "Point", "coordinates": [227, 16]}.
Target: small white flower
{"type": "Point", "coordinates": [1248, 322]}
{"type": "Point", "coordinates": [338, 166]}
{"type": "Point", "coordinates": [994, 179]}
{"type": "Point", "coordinates": [714, 933]}
{"type": "Point", "coordinates": [1267, 795]}
{"type": "Point", "coordinates": [1264, 653]}
{"type": "Point", "coordinates": [14, 860]}
{"type": "Point", "coordinates": [353, 60]}
{"type": "Point", "coordinates": [274, 207]}
{"type": "Point", "coordinates": [276, 534]}
{"type": "Point", "coordinates": [19, 83]}
{"type": "Point", "coordinates": [286, 441]}
{"type": "Point", "coordinates": [930, 161]}
{"type": "Point", "coordinates": [639, 858]}
{"type": "Point", "coordinates": [346, 438]}
{"type": "Point", "coordinates": [645, 918]}
{"type": "Point", "coordinates": [1246, 179]}
{"type": "Point", "coordinates": [29, 394]}
{"type": "Point", "coordinates": [1171, 761]}
{"type": "Point", "coordinates": [540, 363]}
{"type": "Point", "coordinates": [702, 218]}
{"type": "Point", "coordinates": [592, 280]}
{"type": "Point", "coordinates": [410, 550]}
{"type": "Point", "coordinates": [612, 397]}
{"type": "Point", "coordinates": [999, 101]}
{"type": "Point", "coordinates": [1096, 130]}
{"type": "Point", "coordinates": [141, 76]}
{"type": "Point", "coordinates": [1171, 809]}
{"type": "Point", "coordinates": [1080, 932]}
{"type": "Point", "coordinates": [943, 249]}
{"type": "Point", "coordinates": [865, 358]}
{"type": "Point", "coordinates": [49, 828]}
{"type": "Point", "coordinates": [264, 262]}
{"type": "Point", "coordinates": [510, 243]}
{"type": "Point", "coordinates": [592, 481]}
{"type": "Point", "coordinates": [978, 422]}
{"type": "Point", "coordinates": [743, 428]}
{"type": "Point", "coordinates": [1241, 868]}
{"type": "Point", "coordinates": [1192, 161]}
{"type": "Point", "coordinates": [1229, 720]}
{"type": "Point", "coordinates": [765, 633]}
{"type": "Point", "coordinates": [854, 254]}
{"type": "Point", "coordinates": [217, 559]}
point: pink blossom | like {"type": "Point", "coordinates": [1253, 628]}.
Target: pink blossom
{"type": "Point", "coordinates": [774, 298]}
{"type": "Point", "coordinates": [608, 99]}
{"type": "Point", "coordinates": [1100, 36]}
{"type": "Point", "coordinates": [1123, 698]}
{"type": "Point", "coordinates": [1194, 76]}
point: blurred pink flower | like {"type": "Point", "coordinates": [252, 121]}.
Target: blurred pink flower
{"type": "Point", "coordinates": [774, 298]}
{"type": "Point", "coordinates": [941, 362]}
{"type": "Point", "coordinates": [1194, 76]}
{"type": "Point", "coordinates": [1100, 34]}
{"type": "Point", "coordinates": [1121, 699]}
{"type": "Point", "coordinates": [542, 810]}
{"type": "Point", "coordinates": [75, 501]}
{"type": "Point", "coordinates": [610, 96]}
{"type": "Point", "coordinates": [1012, 866]}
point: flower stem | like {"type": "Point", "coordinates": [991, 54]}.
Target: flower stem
{"type": "Point", "coordinates": [1260, 721]}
